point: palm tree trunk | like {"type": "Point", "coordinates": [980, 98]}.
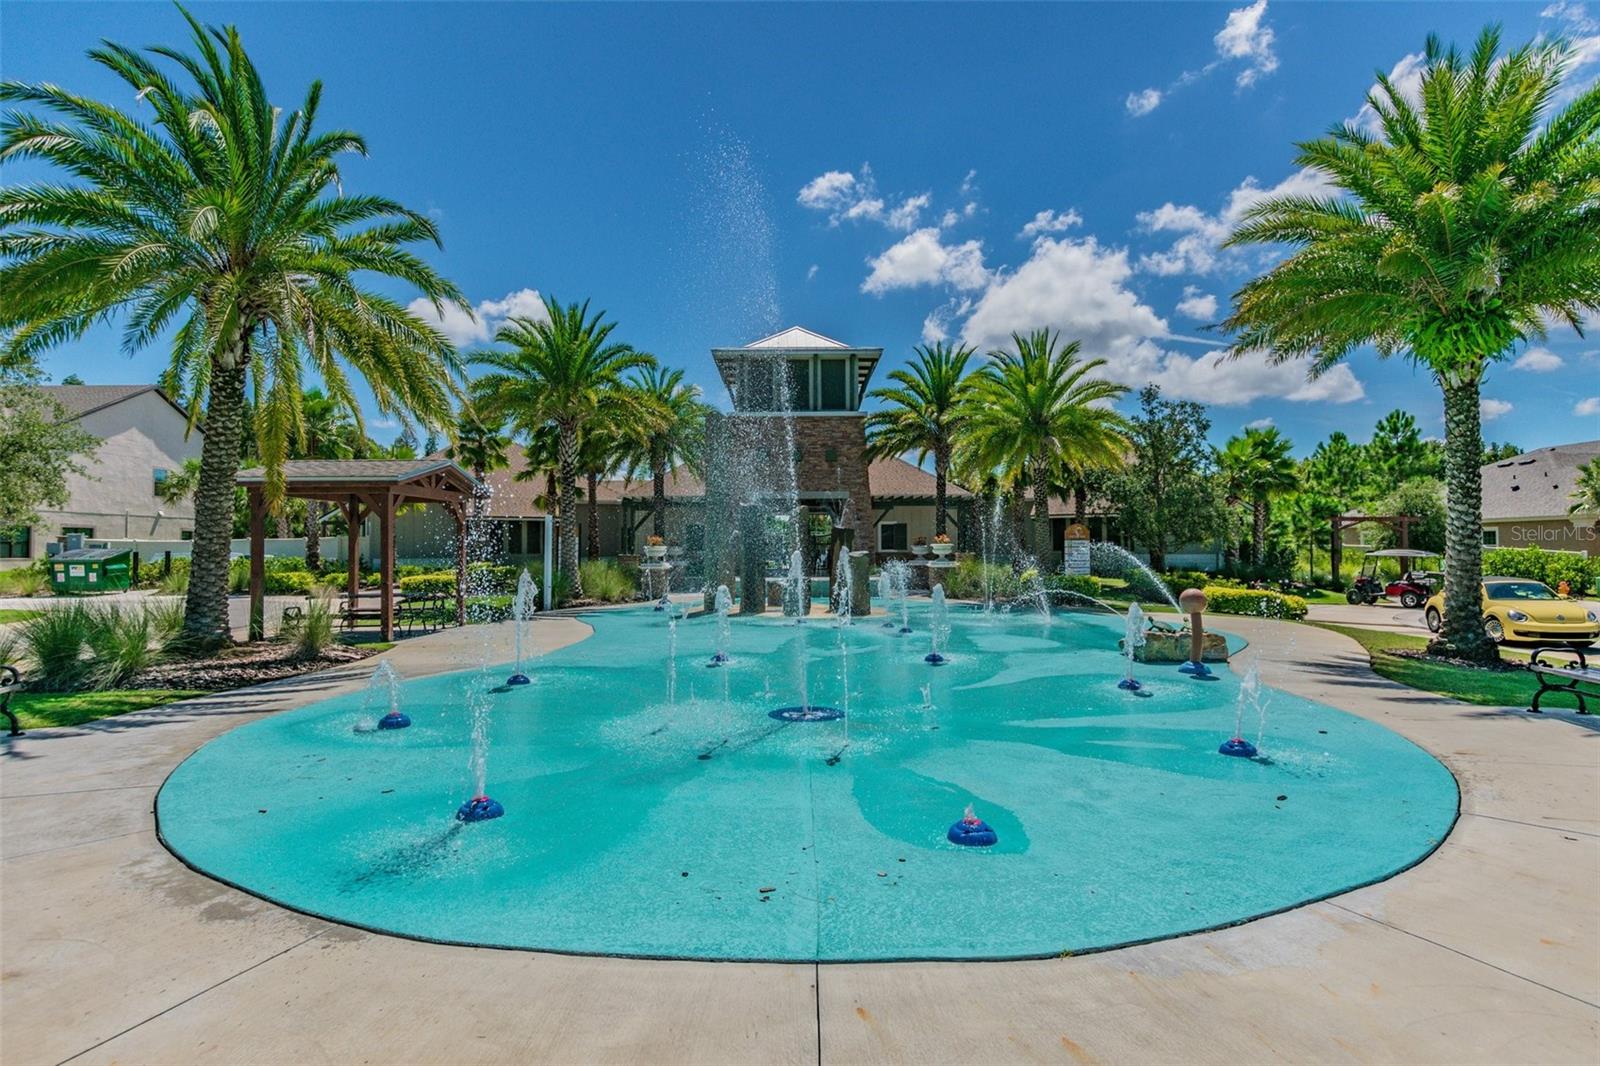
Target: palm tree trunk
{"type": "Point", "coordinates": [941, 473]}
{"type": "Point", "coordinates": [658, 497]}
{"type": "Point", "coordinates": [313, 535]}
{"type": "Point", "coordinates": [592, 550]}
{"type": "Point", "coordinates": [1462, 634]}
{"type": "Point", "coordinates": [568, 459]}
{"type": "Point", "coordinates": [205, 619]}
{"type": "Point", "coordinates": [283, 530]}
{"type": "Point", "coordinates": [1042, 549]}
{"type": "Point", "coordinates": [1258, 529]}
{"type": "Point", "coordinates": [1080, 501]}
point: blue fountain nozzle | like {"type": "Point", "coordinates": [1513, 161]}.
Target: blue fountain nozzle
{"type": "Point", "coordinates": [1195, 669]}
{"type": "Point", "coordinates": [479, 809]}
{"type": "Point", "coordinates": [934, 658]}
{"type": "Point", "coordinates": [972, 833]}
{"type": "Point", "coordinates": [1128, 684]}
{"type": "Point", "coordinates": [719, 658]}
{"type": "Point", "coordinates": [808, 713]}
{"type": "Point", "coordinates": [905, 629]}
{"type": "Point", "coordinates": [519, 679]}
{"type": "Point", "coordinates": [394, 720]}
{"type": "Point", "coordinates": [1238, 746]}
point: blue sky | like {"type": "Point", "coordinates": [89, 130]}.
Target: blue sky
{"type": "Point", "coordinates": [881, 174]}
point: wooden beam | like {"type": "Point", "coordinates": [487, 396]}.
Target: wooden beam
{"type": "Point", "coordinates": [352, 517]}
{"type": "Point", "coordinates": [386, 565]}
{"type": "Point", "coordinates": [258, 563]}
{"type": "Point", "coordinates": [460, 513]}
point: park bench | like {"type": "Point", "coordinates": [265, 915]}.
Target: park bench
{"type": "Point", "coordinates": [10, 681]}
{"type": "Point", "coordinates": [1564, 677]}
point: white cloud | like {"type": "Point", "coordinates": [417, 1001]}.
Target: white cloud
{"type": "Point", "coordinates": [1049, 221]}
{"type": "Point", "coordinates": [463, 329]}
{"type": "Point", "coordinates": [1260, 423]}
{"type": "Point", "coordinates": [830, 191]}
{"type": "Point", "coordinates": [1406, 77]}
{"type": "Point", "coordinates": [948, 219]}
{"type": "Point", "coordinates": [1142, 102]}
{"type": "Point", "coordinates": [910, 210]}
{"type": "Point", "coordinates": [1582, 31]}
{"type": "Point", "coordinates": [1198, 249]}
{"type": "Point", "coordinates": [1197, 305]}
{"type": "Point", "coordinates": [1538, 361]}
{"type": "Point", "coordinates": [1081, 288]}
{"type": "Point", "coordinates": [811, 272]}
{"type": "Point", "coordinates": [1489, 410]}
{"type": "Point", "coordinates": [1588, 407]}
{"type": "Point", "coordinates": [922, 258]}
{"type": "Point", "coordinates": [1246, 36]}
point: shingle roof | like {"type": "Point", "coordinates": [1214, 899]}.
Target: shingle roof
{"type": "Point", "coordinates": [1536, 484]}
{"type": "Point", "coordinates": [80, 400]}
{"type": "Point", "coordinates": [897, 479]}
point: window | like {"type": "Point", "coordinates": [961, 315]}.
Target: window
{"type": "Point", "coordinates": [799, 384]}
{"type": "Point", "coordinates": [161, 475]}
{"type": "Point", "coordinates": [892, 536]}
{"type": "Point", "coordinates": [515, 529]}
{"type": "Point", "coordinates": [16, 542]}
{"type": "Point", "coordinates": [185, 534]}
{"type": "Point", "coordinates": [833, 387]}
{"type": "Point", "coordinates": [1491, 537]}
{"type": "Point", "coordinates": [86, 532]}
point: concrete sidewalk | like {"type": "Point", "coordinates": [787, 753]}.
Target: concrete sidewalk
{"type": "Point", "coordinates": [1489, 951]}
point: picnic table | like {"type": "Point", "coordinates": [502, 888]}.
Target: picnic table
{"type": "Point", "coordinates": [411, 611]}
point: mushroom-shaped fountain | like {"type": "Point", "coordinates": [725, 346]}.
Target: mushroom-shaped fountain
{"type": "Point", "coordinates": [1193, 603]}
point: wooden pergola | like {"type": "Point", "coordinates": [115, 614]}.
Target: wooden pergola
{"type": "Point", "coordinates": [1400, 523]}
{"type": "Point", "coordinates": [362, 488]}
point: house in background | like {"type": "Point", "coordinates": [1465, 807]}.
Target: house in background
{"type": "Point", "coordinates": [1526, 500]}
{"type": "Point", "coordinates": [143, 437]}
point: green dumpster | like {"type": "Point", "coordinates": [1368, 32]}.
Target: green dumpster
{"type": "Point", "coordinates": [91, 570]}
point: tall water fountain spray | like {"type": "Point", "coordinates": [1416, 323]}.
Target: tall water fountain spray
{"type": "Point", "coordinates": [385, 685]}
{"type": "Point", "coordinates": [1132, 641]}
{"type": "Point", "coordinates": [480, 807]}
{"type": "Point", "coordinates": [521, 607]}
{"type": "Point", "coordinates": [843, 589]}
{"type": "Point", "coordinates": [897, 583]}
{"type": "Point", "coordinates": [990, 528]}
{"type": "Point", "coordinates": [1251, 698]}
{"type": "Point", "coordinates": [1113, 559]}
{"type": "Point", "coordinates": [724, 605]}
{"type": "Point", "coordinates": [938, 627]}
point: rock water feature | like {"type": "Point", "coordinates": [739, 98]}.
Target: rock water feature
{"type": "Point", "coordinates": [521, 607]}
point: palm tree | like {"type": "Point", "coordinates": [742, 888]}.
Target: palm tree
{"type": "Point", "coordinates": [1257, 466]}
{"type": "Point", "coordinates": [559, 371]}
{"type": "Point", "coordinates": [671, 434]}
{"type": "Point", "coordinates": [222, 224]}
{"type": "Point", "coordinates": [1585, 494]}
{"type": "Point", "coordinates": [480, 446]}
{"type": "Point", "coordinates": [1467, 222]}
{"type": "Point", "coordinates": [327, 426]}
{"type": "Point", "coordinates": [927, 405]}
{"type": "Point", "coordinates": [1037, 412]}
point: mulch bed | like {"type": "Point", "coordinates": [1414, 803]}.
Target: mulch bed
{"type": "Point", "coordinates": [1499, 666]}
{"type": "Point", "coordinates": [244, 664]}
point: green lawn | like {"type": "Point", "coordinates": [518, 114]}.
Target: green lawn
{"type": "Point", "coordinates": [1485, 687]}
{"type": "Point", "coordinates": [41, 710]}
{"type": "Point", "coordinates": [10, 614]}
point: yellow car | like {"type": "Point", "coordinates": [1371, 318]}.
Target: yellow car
{"type": "Point", "coordinates": [1518, 608]}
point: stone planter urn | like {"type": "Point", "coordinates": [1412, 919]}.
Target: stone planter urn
{"type": "Point", "coordinates": [919, 550]}
{"type": "Point", "coordinates": [655, 551]}
{"type": "Point", "coordinates": [943, 549]}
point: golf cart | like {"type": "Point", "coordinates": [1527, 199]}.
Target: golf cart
{"type": "Point", "coordinates": [1412, 588]}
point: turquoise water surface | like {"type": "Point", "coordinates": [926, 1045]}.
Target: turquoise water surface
{"type": "Point", "coordinates": [700, 827]}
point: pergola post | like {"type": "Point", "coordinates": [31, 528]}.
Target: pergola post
{"type": "Point", "coordinates": [386, 564]}
{"type": "Point", "coordinates": [1336, 550]}
{"type": "Point", "coordinates": [352, 561]}
{"type": "Point", "coordinates": [461, 562]}
{"type": "Point", "coordinates": [258, 563]}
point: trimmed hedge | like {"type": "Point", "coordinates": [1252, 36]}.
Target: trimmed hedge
{"type": "Point", "coordinates": [1082, 584]}
{"type": "Point", "coordinates": [1262, 603]}
{"type": "Point", "coordinates": [1537, 564]}
{"type": "Point", "coordinates": [438, 583]}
